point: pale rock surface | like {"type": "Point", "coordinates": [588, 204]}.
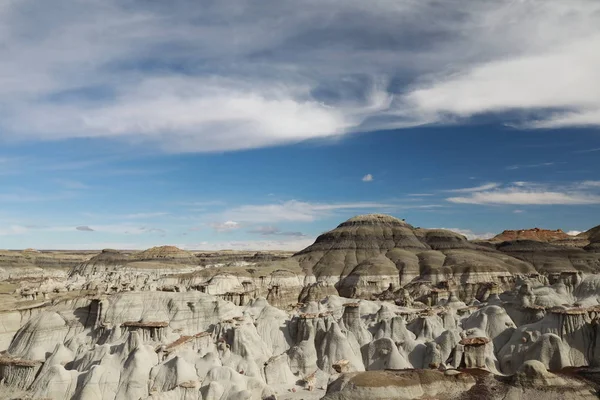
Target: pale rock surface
{"type": "Point", "coordinates": [444, 317]}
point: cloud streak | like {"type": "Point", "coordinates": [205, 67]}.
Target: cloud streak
{"type": "Point", "coordinates": [271, 230]}
{"type": "Point", "coordinates": [487, 186]}
{"type": "Point", "coordinates": [300, 211]}
{"type": "Point", "coordinates": [531, 194]}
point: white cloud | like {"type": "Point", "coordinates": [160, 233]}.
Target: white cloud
{"type": "Point", "coordinates": [518, 166]}
{"type": "Point", "coordinates": [590, 184]}
{"type": "Point", "coordinates": [272, 230]}
{"type": "Point", "coordinates": [13, 230]}
{"type": "Point", "coordinates": [470, 235]}
{"type": "Point", "coordinates": [559, 73]}
{"type": "Point", "coordinates": [518, 211]}
{"type": "Point", "coordinates": [118, 229]}
{"type": "Point", "coordinates": [481, 188]}
{"type": "Point", "coordinates": [139, 74]}
{"type": "Point", "coordinates": [297, 211]}
{"type": "Point", "coordinates": [367, 178]}
{"type": "Point", "coordinates": [143, 215]}
{"type": "Point", "coordinates": [71, 184]}
{"type": "Point", "coordinates": [574, 233]}
{"type": "Point", "coordinates": [530, 194]}
{"type": "Point", "coordinates": [226, 226]}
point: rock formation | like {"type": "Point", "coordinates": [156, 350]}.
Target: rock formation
{"type": "Point", "coordinates": [375, 308]}
{"type": "Point", "coordinates": [537, 234]}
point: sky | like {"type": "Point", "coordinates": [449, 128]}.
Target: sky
{"type": "Point", "coordinates": [234, 124]}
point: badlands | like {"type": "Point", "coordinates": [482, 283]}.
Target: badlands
{"type": "Point", "coordinates": [374, 309]}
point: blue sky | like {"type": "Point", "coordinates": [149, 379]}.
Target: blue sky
{"type": "Point", "coordinates": [229, 124]}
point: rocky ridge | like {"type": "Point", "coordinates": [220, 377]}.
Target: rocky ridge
{"type": "Point", "coordinates": [537, 234]}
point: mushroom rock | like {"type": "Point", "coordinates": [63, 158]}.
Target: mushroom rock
{"type": "Point", "coordinates": [476, 352]}
{"type": "Point", "coordinates": [18, 373]}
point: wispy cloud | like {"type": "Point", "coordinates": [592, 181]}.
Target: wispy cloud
{"type": "Point", "coordinates": [301, 211]}
{"type": "Point", "coordinates": [469, 234]}
{"type": "Point", "coordinates": [131, 216]}
{"type": "Point", "coordinates": [271, 230]}
{"type": "Point", "coordinates": [70, 184]}
{"type": "Point", "coordinates": [226, 226]}
{"type": "Point", "coordinates": [118, 229]}
{"type": "Point", "coordinates": [589, 184]}
{"type": "Point", "coordinates": [521, 166]}
{"type": "Point", "coordinates": [367, 178]}
{"type": "Point", "coordinates": [587, 151]}
{"type": "Point", "coordinates": [27, 197]}
{"type": "Point", "coordinates": [531, 194]}
{"type": "Point", "coordinates": [297, 211]}
{"type": "Point", "coordinates": [481, 188]}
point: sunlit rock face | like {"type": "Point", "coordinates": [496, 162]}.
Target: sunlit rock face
{"type": "Point", "coordinates": [375, 309]}
{"type": "Point", "coordinates": [371, 254]}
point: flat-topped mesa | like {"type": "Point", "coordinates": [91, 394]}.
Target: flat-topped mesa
{"type": "Point", "coordinates": [375, 219]}
{"type": "Point", "coordinates": [164, 253]}
{"type": "Point", "coordinates": [151, 331]}
{"type": "Point", "coordinates": [537, 234]}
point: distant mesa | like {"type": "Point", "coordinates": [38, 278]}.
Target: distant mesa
{"type": "Point", "coordinates": [164, 253]}
{"type": "Point", "coordinates": [537, 234]}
